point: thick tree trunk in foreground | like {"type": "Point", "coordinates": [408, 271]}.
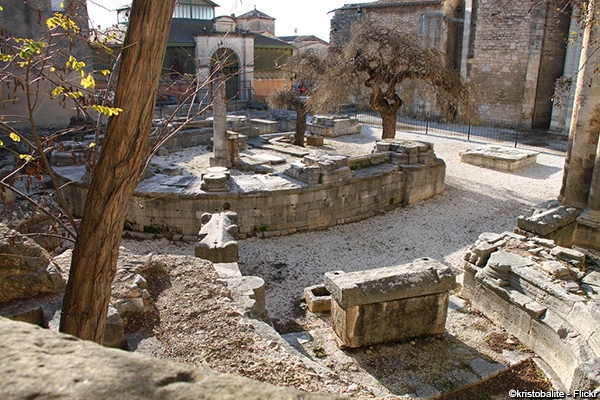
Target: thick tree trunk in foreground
{"type": "Point", "coordinates": [117, 172]}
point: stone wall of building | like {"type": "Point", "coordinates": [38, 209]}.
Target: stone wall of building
{"type": "Point", "coordinates": [27, 19]}
{"type": "Point", "coordinates": [264, 87]}
{"type": "Point", "coordinates": [500, 53]}
{"type": "Point", "coordinates": [516, 53]}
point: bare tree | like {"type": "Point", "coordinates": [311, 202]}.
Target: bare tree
{"type": "Point", "coordinates": [382, 56]}
{"type": "Point", "coordinates": [304, 70]}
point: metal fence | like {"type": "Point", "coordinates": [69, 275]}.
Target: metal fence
{"type": "Point", "coordinates": [487, 131]}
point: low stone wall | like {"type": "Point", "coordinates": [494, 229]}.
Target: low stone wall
{"type": "Point", "coordinates": [270, 205]}
{"type": "Point", "coordinates": [542, 294]}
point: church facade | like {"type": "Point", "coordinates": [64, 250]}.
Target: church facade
{"type": "Point", "coordinates": [515, 50]}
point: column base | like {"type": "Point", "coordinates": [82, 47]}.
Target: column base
{"type": "Point", "coordinates": [587, 234]}
{"type": "Point", "coordinates": [219, 162]}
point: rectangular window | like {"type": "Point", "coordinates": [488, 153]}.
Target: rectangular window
{"type": "Point", "coordinates": [195, 9]}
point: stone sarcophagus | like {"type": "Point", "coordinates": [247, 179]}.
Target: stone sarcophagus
{"type": "Point", "coordinates": [218, 238]}
{"type": "Point", "coordinates": [389, 304]}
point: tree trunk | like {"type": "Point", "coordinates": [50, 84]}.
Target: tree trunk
{"type": "Point", "coordinates": [117, 172]}
{"type": "Point", "coordinates": [387, 109]}
{"type": "Point", "coordinates": [300, 125]}
{"type": "Point", "coordinates": [389, 124]}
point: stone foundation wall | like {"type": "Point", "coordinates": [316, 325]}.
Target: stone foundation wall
{"type": "Point", "coordinates": [542, 294]}
{"type": "Point", "coordinates": [273, 205]}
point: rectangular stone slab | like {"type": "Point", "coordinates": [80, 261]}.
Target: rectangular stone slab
{"type": "Point", "coordinates": [421, 277]}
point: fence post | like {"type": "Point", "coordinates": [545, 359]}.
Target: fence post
{"type": "Point", "coordinates": [517, 135]}
{"type": "Point", "coordinates": [427, 122]}
{"type": "Point", "coordinates": [469, 133]}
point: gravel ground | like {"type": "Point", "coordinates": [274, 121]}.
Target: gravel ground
{"type": "Point", "coordinates": [195, 322]}
{"type": "Point", "coordinates": [476, 200]}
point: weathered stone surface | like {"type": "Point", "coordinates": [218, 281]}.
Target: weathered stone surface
{"type": "Point", "coordinates": [389, 304]}
{"type": "Point", "coordinates": [543, 306]}
{"type": "Point", "coordinates": [114, 332]}
{"type": "Point", "coordinates": [333, 126]}
{"type": "Point", "coordinates": [318, 298]}
{"type": "Point", "coordinates": [593, 279]}
{"type": "Point", "coordinates": [499, 157]}
{"type": "Point", "coordinates": [389, 321]}
{"type": "Point", "coordinates": [587, 376]}
{"type": "Point", "coordinates": [548, 221]}
{"type": "Point", "coordinates": [26, 269]}
{"type": "Point", "coordinates": [38, 363]}
{"type": "Point", "coordinates": [32, 316]}
{"type": "Point", "coordinates": [423, 276]}
{"type": "Point", "coordinates": [218, 238]}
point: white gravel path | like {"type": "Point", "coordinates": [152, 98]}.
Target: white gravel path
{"type": "Point", "coordinates": [476, 200]}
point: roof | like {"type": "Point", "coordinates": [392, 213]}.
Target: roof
{"type": "Point", "coordinates": [301, 39]}
{"type": "Point", "coordinates": [184, 30]}
{"type": "Point", "coordinates": [390, 3]}
{"type": "Point", "coordinates": [262, 40]}
{"type": "Point", "coordinates": [255, 14]}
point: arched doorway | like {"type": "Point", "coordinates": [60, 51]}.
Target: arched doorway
{"type": "Point", "coordinates": [229, 63]}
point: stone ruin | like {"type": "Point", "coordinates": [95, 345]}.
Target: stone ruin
{"type": "Point", "coordinates": [556, 223]}
{"type": "Point", "coordinates": [333, 125]}
{"type": "Point", "coordinates": [389, 304]}
{"type": "Point", "coordinates": [499, 157]}
{"type": "Point", "coordinates": [544, 295]}
{"type": "Point", "coordinates": [217, 240]}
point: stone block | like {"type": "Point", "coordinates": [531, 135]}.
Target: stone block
{"type": "Point", "coordinates": [389, 304]}
{"type": "Point", "coordinates": [114, 332]}
{"type": "Point", "coordinates": [218, 238]}
{"type": "Point", "coordinates": [39, 361]}
{"type": "Point", "coordinates": [314, 140]}
{"type": "Point", "coordinates": [557, 224]}
{"type": "Point", "coordinates": [318, 298]}
{"type": "Point", "coordinates": [499, 157]}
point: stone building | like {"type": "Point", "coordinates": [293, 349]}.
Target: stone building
{"type": "Point", "coordinates": [303, 43]}
{"type": "Point", "coordinates": [516, 50]}
{"type": "Point", "coordinates": [256, 21]}
{"type": "Point", "coordinates": [27, 19]}
{"type": "Point", "coordinates": [197, 39]}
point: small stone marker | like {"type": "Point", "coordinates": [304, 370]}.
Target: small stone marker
{"type": "Point", "coordinates": [389, 304]}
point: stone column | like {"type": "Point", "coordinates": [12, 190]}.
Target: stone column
{"type": "Point", "coordinates": [588, 224]}
{"type": "Point", "coordinates": [221, 155]}
{"type": "Point", "coordinates": [464, 57]}
{"type": "Point", "coordinates": [583, 134]}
